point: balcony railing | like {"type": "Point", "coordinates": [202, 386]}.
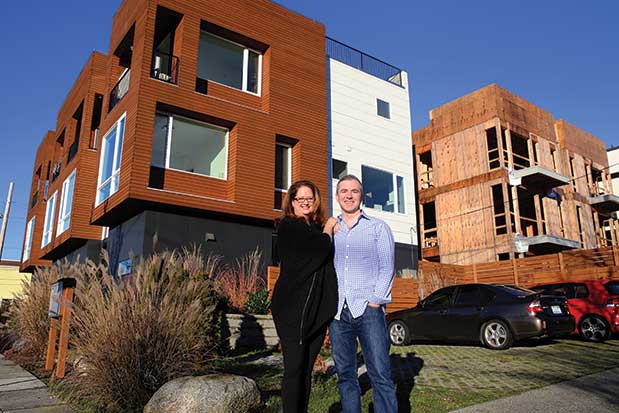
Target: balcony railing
{"type": "Point", "coordinates": [120, 90]}
{"type": "Point", "coordinates": [73, 149]}
{"type": "Point", "coordinates": [35, 198]}
{"type": "Point", "coordinates": [165, 67]}
{"type": "Point", "coordinates": [366, 63]}
{"type": "Point", "coordinates": [56, 170]}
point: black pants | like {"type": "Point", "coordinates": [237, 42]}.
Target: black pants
{"type": "Point", "coordinates": [299, 361]}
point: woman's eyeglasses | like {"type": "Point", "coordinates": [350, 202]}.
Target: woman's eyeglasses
{"type": "Point", "coordinates": [304, 200]}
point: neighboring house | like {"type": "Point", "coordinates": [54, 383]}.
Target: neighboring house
{"type": "Point", "coordinates": [192, 127]}
{"type": "Point", "coordinates": [10, 279]}
{"type": "Point", "coordinates": [500, 178]}
{"type": "Point", "coordinates": [369, 125]}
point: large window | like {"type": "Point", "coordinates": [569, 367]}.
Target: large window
{"type": "Point", "coordinates": [190, 146]}
{"type": "Point", "coordinates": [48, 226]}
{"type": "Point", "coordinates": [66, 200]}
{"type": "Point", "coordinates": [109, 164]}
{"type": "Point", "coordinates": [283, 170]}
{"type": "Point", "coordinates": [383, 191]}
{"type": "Point", "coordinates": [28, 240]}
{"type": "Point", "coordinates": [229, 63]}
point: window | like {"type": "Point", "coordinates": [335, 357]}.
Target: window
{"type": "Point", "coordinates": [400, 186]}
{"type": "Point", "coordinates": [340, 168]}
{"type": "Point", "coordinates": [468, 295]}
{"type": "Point", "coordinates": [382, 109]}
{"type": "Point", "coordinates": [283, 170]}
{"type": "Point", "coordinates": [50, 209]}
{"type": "Point", "coordinates": [66, 199]}
{"type": "Point", "coordinates": [109, 164]}
{"type": "Point", "coordinates": [494, 157]}
{"type": "Point", "coordinates": [580, 291]}
{"type": "Point", "coordinates": [440, 298]}
{"type": "Point", "coordinates": [500, 217]}
{"type": "Point", "coordinates": [380, 190]}
{"type": "Point", "coordinates": [124, 267]}
{"type": "Point", "coordinates": [28, 240]}
{"type": "Point", "coordinates": [229, 63]}
{"type": "Point", "coordinates": [191, 146]}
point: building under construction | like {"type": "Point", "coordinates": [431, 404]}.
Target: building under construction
{"type": "Point", "coordinates": [499, 178]}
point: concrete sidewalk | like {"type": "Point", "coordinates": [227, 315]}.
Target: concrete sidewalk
{"type": "Point", "coordinates": [21, 392]}
{"type": "Point", "coordinates": [597, 393]}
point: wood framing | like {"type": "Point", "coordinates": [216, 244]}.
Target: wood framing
{"type": "Point", "coordinates": [478, 141]}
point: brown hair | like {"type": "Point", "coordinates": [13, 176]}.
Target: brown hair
{"type": "Point", "coordinates": [318, 217]}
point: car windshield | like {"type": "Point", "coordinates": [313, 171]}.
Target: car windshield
{"type": "Point", "coordinates": [515, 290]}
{"type": "Point", "coordinates": [612, 288]}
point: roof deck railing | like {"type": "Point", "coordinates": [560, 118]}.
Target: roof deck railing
{"type": "Point", "coordinates": [364, 62]}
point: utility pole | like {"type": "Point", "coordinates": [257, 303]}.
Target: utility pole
{"type": "Point", "coordinates": [5, 218]}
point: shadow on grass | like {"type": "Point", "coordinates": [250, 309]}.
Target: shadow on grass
{"type": "Point", "coordinates": [404, 369]}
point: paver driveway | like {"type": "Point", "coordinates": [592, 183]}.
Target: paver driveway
{"type": "Point", "coordinates": [521, 368]}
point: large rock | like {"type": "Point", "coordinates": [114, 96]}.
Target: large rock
{"type": "Point", "coordinates": [214, 393]}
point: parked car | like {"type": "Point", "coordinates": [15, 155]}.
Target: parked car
{"type": "Point", "coordinates": [594, 305]}
{"type": "Point", "coordinates": [495, 314]}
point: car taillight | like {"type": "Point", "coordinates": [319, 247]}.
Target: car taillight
{"type": "Point", "coordinates": [535, 307]}
{"type": "Point", "coordinates": [613, 302]}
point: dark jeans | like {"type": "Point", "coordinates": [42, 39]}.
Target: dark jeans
{"type": "Point", "coordinates": [299, 361]}
{"type": "Point", "coordinates": [371, 329]}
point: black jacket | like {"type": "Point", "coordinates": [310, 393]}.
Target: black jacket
{"type": "Point", "coordinates": [305, 295]}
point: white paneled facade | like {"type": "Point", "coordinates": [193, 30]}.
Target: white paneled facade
{"type": "Point", "coordinates": [375, 138]}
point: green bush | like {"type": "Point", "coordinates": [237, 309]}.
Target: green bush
{"type": "Point", "coordinates": [258, 302]}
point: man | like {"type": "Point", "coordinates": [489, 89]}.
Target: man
{"type": "Point", "coordinates": [364, 263]}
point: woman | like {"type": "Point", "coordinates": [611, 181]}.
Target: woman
{"type": "Point", "coordinates": [305, 295]}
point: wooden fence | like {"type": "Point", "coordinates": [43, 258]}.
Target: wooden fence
{"type": "Point", "coordinates": [601, 263]}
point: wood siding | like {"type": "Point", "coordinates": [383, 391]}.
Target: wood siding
{"type": "Point", "coordinates": [292, 103]}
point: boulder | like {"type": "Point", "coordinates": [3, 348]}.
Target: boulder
{"type": "Point", "coordinates": [213, 393]}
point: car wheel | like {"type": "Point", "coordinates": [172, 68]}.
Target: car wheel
{"type": "Point", "coordinates": [593, 328]}
{"type": "Point", "coordinates": [496, 335]}
{"type": "Point", "coordinates": [398, 333]}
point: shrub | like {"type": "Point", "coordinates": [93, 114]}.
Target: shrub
{"type": "Point", "coordinates": [138, 334]}
{"type": "Point", "coordinates": [28, 316]}
{"type": "Point", "coordinates": [240, 279]}
{"type": "Point", "coordinates": [258, 302]}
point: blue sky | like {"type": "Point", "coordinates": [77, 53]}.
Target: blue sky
{"type": "Point", "coordinates": [562, 55]}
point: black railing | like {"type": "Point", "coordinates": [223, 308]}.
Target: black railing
{"type": "Point", "coordinates": [120, 90]}
{"type": "Point", "coordinates": [366, 63]}
{"type": "Point", "coordinates": [35, 198]}
{"type": "Point", "coordinates": [56, 170]}
{"type": "Point", "coordinates": [73, 149]}
{"type": "Point", "coordinates": [165, 67]}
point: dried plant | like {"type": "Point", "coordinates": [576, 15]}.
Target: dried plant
{"type": "Point", "coordinates": [136, 335]}
{"type": "Point", "coordinates": [240, 279]}
{"type": "Point", "coordinates": [28, 318]}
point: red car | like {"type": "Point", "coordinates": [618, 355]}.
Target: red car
{"type": "Point", "coordinates": [594, 304]}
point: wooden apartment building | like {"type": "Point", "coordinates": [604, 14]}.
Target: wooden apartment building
{"type": "Point", "coordinates": [500, 178]}
{"type": "Point", "coordinates": [188, 132]}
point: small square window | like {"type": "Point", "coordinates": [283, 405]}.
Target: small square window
{"type": "Point", "coordinates": [340, 168]}
{"type": "Point", "coordinates": [382, 109]}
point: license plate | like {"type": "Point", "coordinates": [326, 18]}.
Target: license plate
{"type": "Point", "coordinates": [555, 309]}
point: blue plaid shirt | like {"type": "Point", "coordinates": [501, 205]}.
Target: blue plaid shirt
{"type": "Point", "coordinates": [364, 262]}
